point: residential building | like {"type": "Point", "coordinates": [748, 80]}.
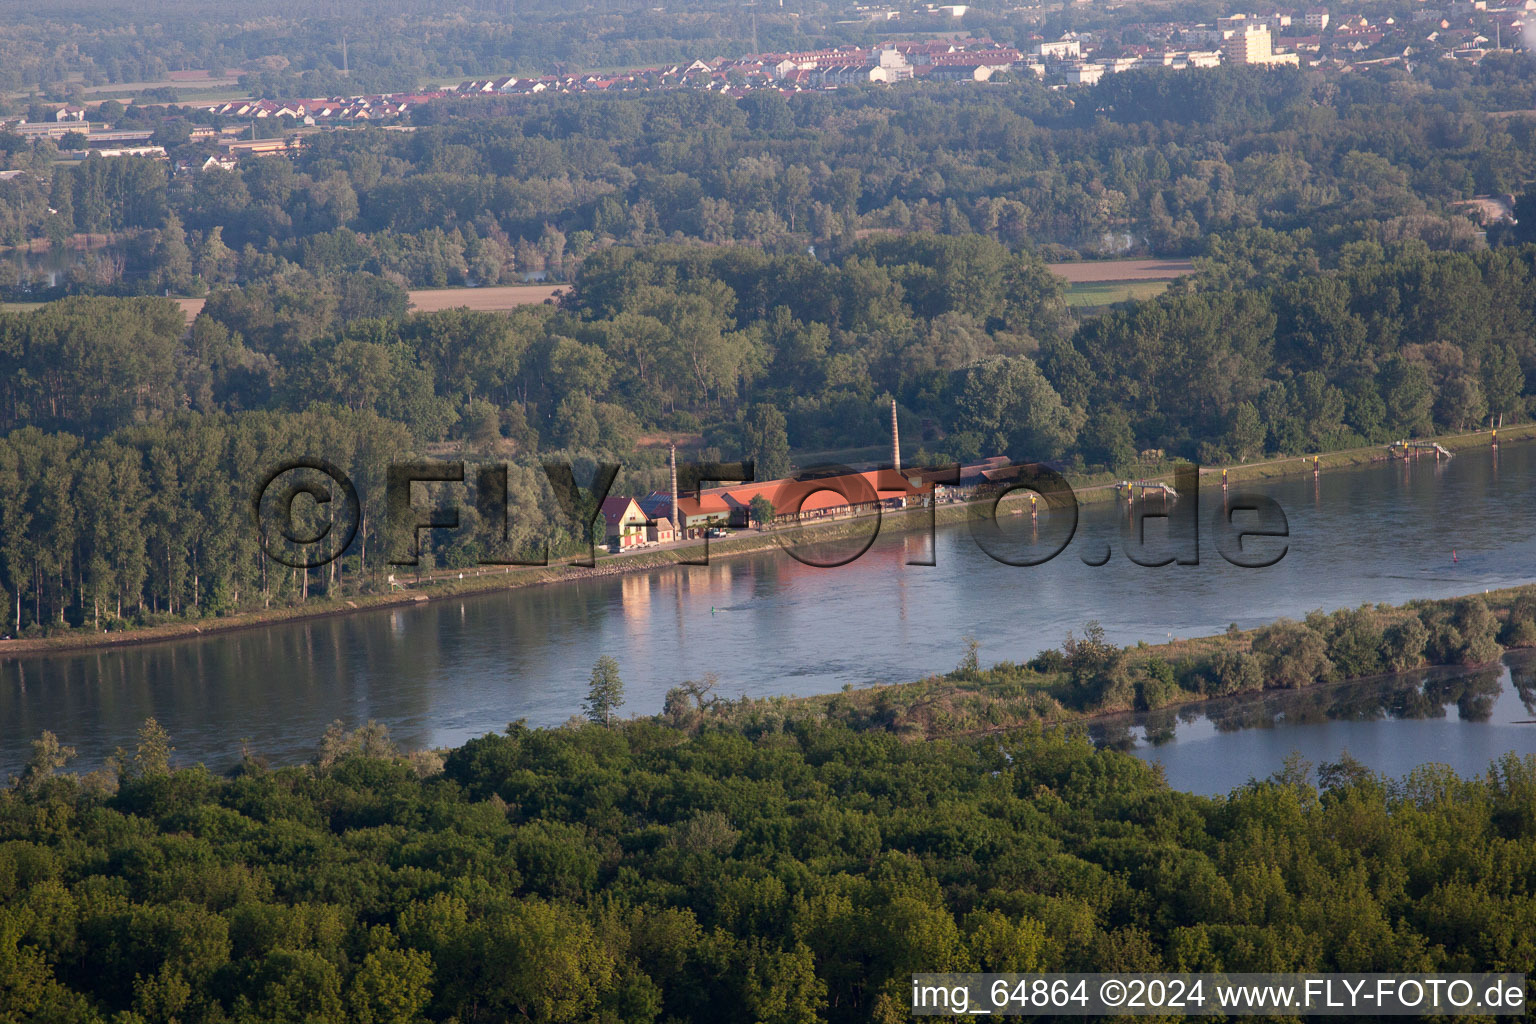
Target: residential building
{"type": "Point", "coordinates": [1061, 49]}
{"type": "Point", "coordinates": [893, 67]}
{"type": "Point", "coordinates": [158, 152]}
{"type": "Point", "coordinates": [625, 523]}
{"type": "Point", "coordinates": [1082, 74]}
{"type": "Point", "coordinates": [1277, 22]}
{"type": "Point", "coordinates": [1251, 45]}
{"type": "Point", "coordinates": [658, 525]}
{"type": "Point", "coordinates": [1115, 65]}
{"type": "Point", "coordinates": [967, 72]}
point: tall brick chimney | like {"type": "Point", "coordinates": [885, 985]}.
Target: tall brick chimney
{"type": "Point", "coordinates": [895, 439]}
{"type": "Point", "coordinates": [672, 461]}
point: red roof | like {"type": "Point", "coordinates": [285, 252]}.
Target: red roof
{"type": "Point", "coordinates": [614, 509]}
{"type": "Point", "coordinates": [790, 496]}
{"type": "Point", "coordinates": [708, 505]}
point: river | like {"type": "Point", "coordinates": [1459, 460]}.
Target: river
{"type": "Point", "coordinates": [766, 624]}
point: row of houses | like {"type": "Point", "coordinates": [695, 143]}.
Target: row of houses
{"type": "Point", "coordinates": [383, 107]}
{"type": "Point", "coordinates": [659, 518]}
{"type": "Point", "coordinates": [1077, 58]}
{"type": "Point", "coordinates": [1064, 61]}
{"type": "Point", "coordinates": [631, 523]}
{"type": "Point", "coordinates": [662, 517]}
{"type": "Point", "coordinates": [828, 68]}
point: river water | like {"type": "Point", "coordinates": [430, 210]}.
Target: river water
{"type": "Point", "coordinates": [766, 624]}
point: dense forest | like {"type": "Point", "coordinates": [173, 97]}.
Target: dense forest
{"type": "Point", "coordinates": [489, 190]}
{"type": "Point", "coordinates": [768, 866]}
{"type": "Point", "coordinates": [117, 415]}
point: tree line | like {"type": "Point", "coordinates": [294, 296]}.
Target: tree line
{"type": "Point", "coordinates": [490, 189]}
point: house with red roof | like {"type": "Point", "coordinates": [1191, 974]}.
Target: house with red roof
{"type": "Point", "coordinates": [625, 523]}
{"type": "Point", "coordinates": [809, 500]}
{"type": "Point", "coordinates": [658, 514]}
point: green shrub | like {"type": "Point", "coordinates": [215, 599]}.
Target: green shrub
{"type": "Point", "coordinates": [1292, 655]}
{"type": "Point", "coordinates": [1520, 627]}
{"type": "Point", "coordinates": [1403, 644]}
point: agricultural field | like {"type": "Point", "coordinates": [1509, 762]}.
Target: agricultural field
{"type": "Point", "coordinates": [1104, 282]}
{"type": "Point", "coordinates": [1103, 293]}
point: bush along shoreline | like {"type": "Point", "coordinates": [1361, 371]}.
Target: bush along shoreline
{"type": "Point", "coordinates": [1089, 677]}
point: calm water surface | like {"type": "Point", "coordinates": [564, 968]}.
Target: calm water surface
{"type": "Point", "coordinates": [1467, 720]}
{"type": "Point", "coordinates": [450, 670]}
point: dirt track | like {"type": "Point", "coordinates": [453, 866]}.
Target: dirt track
{"type": "Point", "coordinates": [430, 300]}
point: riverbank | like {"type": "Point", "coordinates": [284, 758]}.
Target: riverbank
{"type": "Point", "coordinates": [458, 583]}
{"type": "Point", "coordinates": [1101, 487]}
{"type": "Point", "coordinates": [443, 584]}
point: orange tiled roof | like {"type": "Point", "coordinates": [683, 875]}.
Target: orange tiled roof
{"type": "Point", "coordinates": [791, 495]}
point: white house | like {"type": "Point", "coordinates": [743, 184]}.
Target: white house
{"type": "Point", "coordinates": [1062, 49]}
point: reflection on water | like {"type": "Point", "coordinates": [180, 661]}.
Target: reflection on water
{"type": "Point", "coordinates": [1464, 718]}
{"type": "Point", "coordinates": [35, 276]}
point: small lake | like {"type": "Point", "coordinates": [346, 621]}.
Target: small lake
{"type": "Point", "coordinates": [37, 273]}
